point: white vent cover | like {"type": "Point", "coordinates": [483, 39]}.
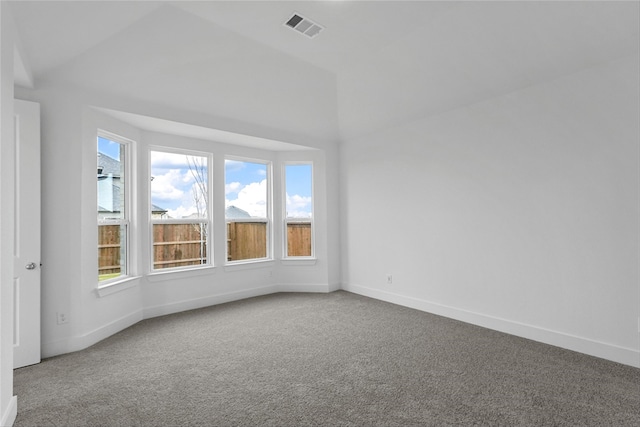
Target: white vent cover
{"type": "Point", "coordinates": [304, 25]}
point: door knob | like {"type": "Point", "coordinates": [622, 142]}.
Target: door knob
{"type": "Point", "coordinates": [30, 266]}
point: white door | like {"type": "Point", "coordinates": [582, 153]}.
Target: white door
{"type": "Point", "coordinates": [26, 247]}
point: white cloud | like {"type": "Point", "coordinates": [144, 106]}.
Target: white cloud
{"type": "Point", "coordinates": [181, 212]}
{"type": "Point", "coordinates": [188, 178]}
{"type": "Point", "coordinates": [252, 198]}
{"type": "Point", "coordinates": [173, 191]}
{"type": "Point", "coordinates": [166, 187]}
{"type": "Point", "coordinates": [232, 188]}
{"type": "Point", "coordinates": [298, 206]}
{"type": "Point", "coordinates": [164, 160]}
{"type": "Point", "coordinates": [173, 183]}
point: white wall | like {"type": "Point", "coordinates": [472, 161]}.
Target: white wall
{"type": "Point", "coordinates": [519, 213]}
{"type": "Point", "coordinates": [8, 408]}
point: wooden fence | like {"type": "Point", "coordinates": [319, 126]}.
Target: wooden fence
{"type": "Point", "coordinates": [246, 240]}
{"type": "Point", "coordinates": [180, 245]}
{"type": "Point", "coordinates": [108, 249]}
{"type": "Point", "coordinates": [299, 239]}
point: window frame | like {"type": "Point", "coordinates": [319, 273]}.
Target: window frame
{"type": "Point", "coordinates": [126, 145]}
{"type": "Point", "coordinates": [208, 221]}
{"type": "Point", "coordinates": [268, 220]}
{"type": "Point", "coordinates": [286, 220]}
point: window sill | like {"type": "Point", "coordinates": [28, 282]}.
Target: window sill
{"type": "Point", "coordinates": [159, 276]}
{"type": "Point", "coordinates": [249, 265]}
{"type": "Point", "coordinates": [299, 261]}
{"type": "Point", "coordinates": [117, 286]}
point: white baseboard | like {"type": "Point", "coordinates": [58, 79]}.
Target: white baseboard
{"type": "Point", "coordinates": [333, 287]}
{"type": "Point", "coordinates": [192, 304]}
{"type": "Point", "coordinates": [296, 287]}
{"type": "Point", "coordinates": [602, 350]}
{"type": "Point", "coordinates": [176, 307]}
{"type": "Point", "coordinates": [9, 415]}
{"type": "Point", "coordinates": [76, 343]}
{"type": "Point", "coordinates": [71, 344]}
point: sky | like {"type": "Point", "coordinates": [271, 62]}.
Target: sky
{"type": "Point", "coordinates": [246, 188]}
{"type": "Point", "coordinates": [298, 187]}
{"type": "Point", "coordinates": [179, 184]}
{"type": "Point", "coordinates": [110, 148]}
{"type": "Point", "coordinates": [175, 188]}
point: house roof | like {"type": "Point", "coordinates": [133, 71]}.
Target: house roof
{"type": "Point", "coordinates": [233, 212]}
{"type": "Point", "coordinates": [109, 165]}
{"type": "Point", "coordinates": [157, 209]}
{"type": "Point", "coordinates": [116, 206]}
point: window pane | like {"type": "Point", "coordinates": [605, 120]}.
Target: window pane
{"type": "Point", "coordinates": [298, 187]}
{"type": "Point", "coordinates": [299, 209]}
{"type": "Point", "coordinates": [179, 185]}
{"type": "Point", "coordinates": [111, 180]}
{"type": "Point", "coordinates": [245, 189]}
{"type": "Point", "coordinates": [112, 209]}
{"type": "Point", "coordinates": [111, 251]}
{"type": "Point", "coordinates": [179, 245]}
{"type": "Point", "coordinates": [179, 190]}
{"type": "Point", "coordinates": [246, 201]}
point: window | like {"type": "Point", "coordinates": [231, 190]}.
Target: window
{"type": "Point", "coordinates": [113, 207]}
{"type": "Point", "coordinates": [298, 210]}
{"type": "Point", "coordinates": [247, 209]}
{"type": "Point", "coordinates": [179, 210]}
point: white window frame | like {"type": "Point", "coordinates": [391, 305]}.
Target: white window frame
{"type": "Point", "coordinates": [126, 146]}
{"type": "Point", "coordinates": [286, 220]}
{"type": "Point", "coordinates": [268, 210]}
{"type": "Point", "coordinates": [208, 221]}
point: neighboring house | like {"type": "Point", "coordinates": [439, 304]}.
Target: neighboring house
{"type": "Point", "coordinates": [109, 190]}
{"type": "Point", "coordinates": [233, 212]}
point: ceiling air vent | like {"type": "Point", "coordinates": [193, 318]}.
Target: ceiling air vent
{"type": "Point", "coordinates": [304, 25]}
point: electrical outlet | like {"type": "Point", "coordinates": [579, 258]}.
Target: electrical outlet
{"type": "Point", "coordinates": [62, 318]}
{"type": "Point", "coordinates": [389, 279]}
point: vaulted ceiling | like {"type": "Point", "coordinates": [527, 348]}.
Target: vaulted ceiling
{"type": "Point", "coordinates": [389, 61]}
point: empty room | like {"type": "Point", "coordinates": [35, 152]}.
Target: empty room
{"type": "Point", "coordinates": [319, 213]}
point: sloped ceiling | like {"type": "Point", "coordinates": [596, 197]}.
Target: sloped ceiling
{"type": "Point", "coordinates": [387, 61]}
